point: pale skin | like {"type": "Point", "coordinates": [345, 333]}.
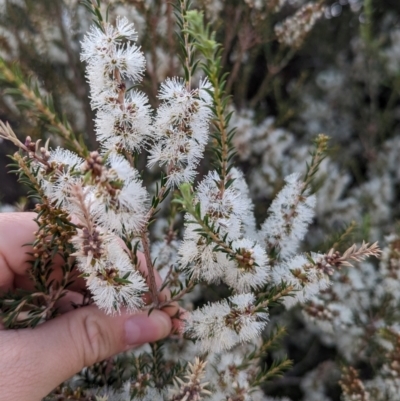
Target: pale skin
{"type": "Point", "coordinates": [34, 361]}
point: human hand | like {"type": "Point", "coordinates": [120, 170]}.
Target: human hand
{"type": "Point", "coordinates": [34, 361]}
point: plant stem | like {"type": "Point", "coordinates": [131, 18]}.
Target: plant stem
{"type": "Point", "coordinates": [177, 297]}
{"type": "Point", "coordinates": [277, 296]}
{"type": "Point", "coordinates": [150, 269]}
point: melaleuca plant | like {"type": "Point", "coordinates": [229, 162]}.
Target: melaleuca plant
{"type": "Point", "coordinates": [96, 213]}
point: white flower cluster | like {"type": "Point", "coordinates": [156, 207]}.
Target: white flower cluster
{"type": "Point", "coordinates": [222, 325]}
{"type": "Point", "coordinates": [111, 276]}
{"type": "Point", "coordinates": [181, 129]}
{"type": "Point", "coordinates": [123, 206]}
{"type": "Point", "coordinates": [289, 216]}
{"type": "Point", "coordinates": [123, 121]}
{"type": "Point", "coordinates": [342, 312]}
{"type": "Point", "coordinates": [117, 198]}
{"type": "Point", "coordinates": [66, 167]}
{"type": "Point", "coordinates": [235, 256]}
{"type": "Point", "coordinates": [228, 378]}
{"type": "Point", "coordinates": [304, 274]}
{"type": "Point", "coordinates": [105, 192]}
{"type": "Point", "coordinates": [349, 307]}
{"type": "Point", "coordinates": [295, 28]}
{"type": "Point", "coordinates": [229, 210]}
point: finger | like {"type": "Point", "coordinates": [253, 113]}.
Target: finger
{"type": "Point", "coordinates": [178, 321]}
{"type": "Point", "coordinates": [70, 301]}
{"type": "Point", "coordinates": [58, 349]}
{"type": "Point", "coordinates": [16, 229]}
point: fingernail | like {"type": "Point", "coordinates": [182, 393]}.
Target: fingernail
{"type": "Point", "coordinates": [142, 328]}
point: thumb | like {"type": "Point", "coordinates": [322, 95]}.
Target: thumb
{"type": "Point", "coordinates": [53, 352]}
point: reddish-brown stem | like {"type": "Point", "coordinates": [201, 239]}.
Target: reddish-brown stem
{"type": "Point", "coordinates": [150, 270]}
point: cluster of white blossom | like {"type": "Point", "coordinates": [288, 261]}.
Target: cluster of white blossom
{"type": "Point", "coordinates": [273, 153]}
{"type": "Point", "coordinates": [342, 311]}
{"type": "Point", "coordinates": [122, 121]}
{"type": "Point", "coordinates": [181, 129]}
{"type": "Point", "coordinates": [114, 202]}
{"type": "Point", "coordinates": [295, 28]}
{"type": "Point", "coordinates": [222, 325]}
{"type": "Point", "coordinates": [290, 214]}
{"type": "Point", "coordinates": [106, 192]}
{"type": "Point", "coordinates": [245, 265]}
{"type": "Point", "coordinates": [237, 256]}
{"type": "Point", "coordinates": [229, 380]}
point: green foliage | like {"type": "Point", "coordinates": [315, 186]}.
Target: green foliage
{"type": "Point", "coordinates": [29, 96]}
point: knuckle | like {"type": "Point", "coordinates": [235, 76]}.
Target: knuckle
{"type": "Point", "coordinates": [96, 341]}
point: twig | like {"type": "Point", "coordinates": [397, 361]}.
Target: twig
{"type": "Point", "coordinates": [150, 270]}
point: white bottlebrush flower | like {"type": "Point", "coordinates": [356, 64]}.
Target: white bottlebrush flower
{"type": "Point", "coordinates": [105, 77]}
{"type": "Point", "coordinates": [227, 209]}
{"type": "Point", "coordinates": [124, 29]}
{"type": "Point", "coordinates": [230, 373]}
{"type": "Point", "coordinates": [97, 43]}
{"type": "Point", "coordinates": [248, 219]}
{"type": "Point", "coordinates": [200, 259]}
{"type": "Point", "coordinates": [66, 167]}
{"type": "Point", "coordinates": [249, 269]}
{"type": "Point", "coordinates": [180, 155]}
{"type": "Point", "coordinates": [174, 91]}
{"type": "Point", "coordinates": [121, 204]}
{"type": "Point", "coordinates": [222, 325]}
{"type": "Point", "coordinates": [181, 129]}
{"type": "Point", "coordinates": [89, 245]}
{"type": "Point", "coordinates": [128, 60]}
{"type": "Point", "coordinates": [105, 97]}
{"type": "Point", "coordinates": [112, 57]}
{"type": "Point", "coordinates": [289, 216]}
{"type": "Point", "coordinates": [295, 28]}
{"type": "Point", "coordinates": [58, 188]}
{"type": "Point", "coordinates": [304, 275]}
{"type": "Point", "coordinates": [65, 157]}
{"type": "Point", "coordinates": [127, 127]}
{"type": "Point", "coordinates": [114, 282]}
{"type": "Point", "coordinates": [103, 89]}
